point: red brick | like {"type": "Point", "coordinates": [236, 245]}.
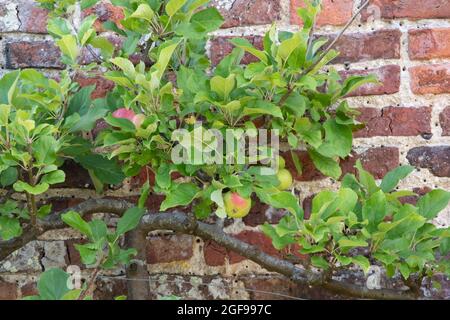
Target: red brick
{"type": "Point", "coordinates": [378, 161]}
{"type": "Point", "coordinates": [411, 9]}
{"type": "Point", "coordinates": [248, 13]}
{"type": "Point", "coordinates": [32, 18]}
{"type": "Point", "coordinates": [221, 47]}
{"type": "Point", "coordinates": [72, 253]}
{"type": "Point", "coordinates": [430, 79]}
{"type": "Point", "coordinates": [169, 248]}
{"type": "Point", "coordinates": [261, 213]}
{"type": "Point", "coordinates": [393, 121]}
{"type": "Point", "coordinates": [444, 119]}
{"type": "Point", "coordinates": [388, 76]}
{"type": "Point", "coordinates": [33, 54]}
{"type": "Point", "coordinates": [29, 289]}
{"type": "Point", "coordinates": [105, 12]}
{"type": "Point", "coordinates": [371, 159]}
{"type": "Point", "coordinates": [8, 291]}
{"type": "Point", "coordinates": [334, 13]}
{"type": "Point", "coordinates": [429, 43]}
{"type": "Point", "coordinates": [215, 255]}
{"type": "Point", "coordinates": [381, 44]}
{"type": "Point", "coordinates": [102, 85]}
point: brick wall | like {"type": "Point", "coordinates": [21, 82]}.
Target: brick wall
{"type": "Point", "coordinates": [406, 43]}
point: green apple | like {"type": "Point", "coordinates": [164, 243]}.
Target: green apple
{"type": "Point", "coordinates": [285, 178]}
{"type": "Point", "coordinates": [236, 206]}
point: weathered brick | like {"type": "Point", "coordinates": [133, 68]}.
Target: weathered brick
{"type": "Point", "coordinates": [381, 44]}
{"type": "Point", "coordinates": [102, 85]}
{"type": "Point", "coordinates": [76, 176]}
{"type": "Point", "coordinates": [109, 289]}
{"type": "Point", "coordinates": [215, 255]}
{"type": "Point", "coordinates": [8, 291]}
{"type": "Point", "coordinates": [411, 9]}
{"type": "Point", "coordinates": [220, 47]}
{"type": "Point", "coordinates": [377, 161]}
{"type": "Point", "coordinates": [395, 121]}
{"type": "Point", "coordinates": [444, 119]}
{"type": "Point", "coordinates": [32, 18]}
{"type": "Point", "coordinates": [430, 79]}
{"type": "Point", "coordinates": [105, 12]}
{"type": "Point", "coordinates": [246, 13]}
{"type": "Point", "coordinates": [169, 248]}
{"type": "Point", "coordinates": [334, 13]}
{"type": "Point", "coordinates": [436, 159]}
{"type": "Point", "coordinates": [32, 54]}
{"type": "Point", "coordinates": [429, 43]}
{"type": "Point", "coordinates": [261, 213]}
{"type": "Point", "coordinates": [388, 76]}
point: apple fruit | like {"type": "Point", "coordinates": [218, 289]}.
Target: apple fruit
{"type": "Point", "coordinates": [285, 178]}
{"type": "Point", "coordinates": [124, 113]}
{"type": "Point", "coordinates": [138, 120]}
{"type": "Point", "coordinates": [236, 206]}
{"type": "Point", "coordinates": [280, 162]}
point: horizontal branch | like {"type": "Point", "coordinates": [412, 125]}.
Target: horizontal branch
{"type": "Point", "coordinates": [182, 223]}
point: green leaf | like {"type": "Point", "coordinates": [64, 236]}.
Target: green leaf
{"type": "Point", "coordinates": [319, 262]}
{"type": "Point", "coordinates": [173, 6]}
{"type": "Point", "coordinates": [38, 189]}
{"type": "Point", "coordinates": [145, 191]}
{"type": "Point", "coordinates": [86, 32]}
{"type": "Point", "coordinates": [8, 86]}
{"type": "Point", "coordinates": [143, 12]}
{"type": "Point", "coordinates": [80, 101]}
{"type": "Point", "coordinates": [129, 221]}
{"type": "Point", "coordinates": [9, 228]}
{"type": "Point", "coordinates": [375, 209]}
{"type": "Point", "coordinates": [52, 284]}
{"type": "Point", "coordinates": [404, 270]}
{"type": "Point", "coordinates": [245, 45]}
{"type": "Point", "coordinates": [69, 47]}
{"type": "Point", "coordinates": [352, 83]}
{"type": "Point", "coordinates": [351, 243]}
{"type": "Point", "coordinates": [74, 220]}
{"type": "Point", "coordinates": [263, 107]}
{"type": "Point", "coordinates": [338, 140]}
{"type": "Point", "coordinates": [99, 229]}
{"type": "Point", "coordinates": [108, 171]}
{"type": "Point", "coordinates": [223, 86]}
{"type": "Point", "coordinates": [182, 195]}
{"type": "Point", "coordinates": [392, 178]}
{"type": "Point", "coordinates": [363, 262]}
{"type": "Point", "coordinates": [163, 60]}
{"type": "Point", "coordinates": [366, 179]}
{"type": "Point", "coordinates": [87, 122]}
{"type": "Point", "coordinates": [327, 166]}
{"type": "Point", "coordinates": [207, 20]}
{"type": "Point", "coordinates": [288, 46]}
{"type": "Point", "coordinates": [432, 203]}
{"type": "Point", "coordinates": [125, 65]}
{"type": "Point", "coordinates": [54, 177]}
{"type": "Point", "coordinates": [44, 150]}
{"type": "Point", "coordinates": [8, 177]}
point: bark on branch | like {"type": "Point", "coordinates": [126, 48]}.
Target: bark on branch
{"type": "Point", "coordinates": [182, 223]}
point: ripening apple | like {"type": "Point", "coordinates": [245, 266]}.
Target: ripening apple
{"type": "Point", "coordinates": [285, 178]}
{"type": "Point", "coordinates": [237, 206]}
{"type": "Point", "coordinates": [129, 114]}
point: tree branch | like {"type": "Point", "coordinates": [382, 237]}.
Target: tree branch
{"type": "Point", "coordinates": [181, 223]}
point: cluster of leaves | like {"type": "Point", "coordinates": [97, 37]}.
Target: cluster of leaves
{"type": "Point", "coordinates": [285, 88]}
{"type": "Point", "coordinates": [365, 224]}
{"type": "Point", "coordinates": [41, 126]}
{"type": "Point", "coordinates": [93, 252]}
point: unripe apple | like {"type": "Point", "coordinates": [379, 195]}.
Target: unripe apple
{"type": "Point", "coordinates": [236, 206]}
{"type": "Point", "coordinates": [285, 178]}
{"type": "Point", "coordinates": [281, 164]}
